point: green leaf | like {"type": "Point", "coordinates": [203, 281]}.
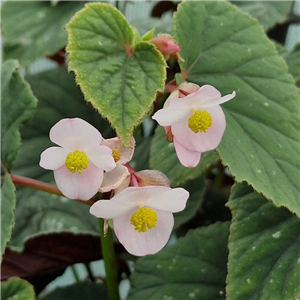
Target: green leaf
{"type": "Point", "coordinates": [293, 62]}
{"type": "Point", "coordinates": [268, 13]}
{"type": "Point", "coordinates": [264, 248]}
{"type": "Point", "coordinates": [8, 203]}
{"type": "Point", "coordinates": [163, 158]}
{"type": "Point", "coordinates": [225, 48]}
{"type": "Point", "coordinates": [18, 105]}
{"type": "Point", "coordinates": [16, 288]}
{"type": "Point", "coordinates": [38, 213]}
{"type": "Point", "coordinates": [196, 188]}
{"type": "Point", "coordinates": [33, 29]}
{"type": "Point", "coordinates": [193, 268]}
{"type": "Point", "coordinates": [78, 291]}
{"type": "Point", "coordinates": [118, 75]}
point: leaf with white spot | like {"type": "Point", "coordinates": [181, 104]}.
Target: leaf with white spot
{"type": "Point", "coordinates": [16, 288]}
{"type": "Point", "coordinates": [226, 48]}
{"type": "Point", "coordinates": [118, 73]}
{"type": "Point", "coordinates": [264, 245]}
{"type": "Point", "coordinates": [193, 268]}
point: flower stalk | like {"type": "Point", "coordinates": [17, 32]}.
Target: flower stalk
{"type": "Point", "coordinates": [110, 263]}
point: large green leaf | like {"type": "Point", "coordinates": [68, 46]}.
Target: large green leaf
{"type": "Point", "coordinates": [117, 74]}
{"type": "Point", "coordinates": [264, 248]}
{"type": "Point", "coordinates": [163, 158]}
{"type": "Point", "coordinates": [18, 105]}
{"type": "Point", "coordinates": [33, 29]}
{"type": "Point", "coordinates": [229, 50]}
{"type": "Point", "coordinates": [16, 288]}
{"type": "Point", "coordinates": [196, 188]}
{"type": "Point", "coordinates": [38, 213]}
{"type": "Point", "coordinates": [8, 203]}
{"type": "Point", "coordinates": [193, 268]}
{"type": "Point", "coordinates": [268, 13]}
{"type": "Point", "coordinates": [78, 291]}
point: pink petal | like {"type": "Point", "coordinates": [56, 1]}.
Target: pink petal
{"type": "Point", "coordinates": [126, 152]}
{"type": "Point", "coordinates": [101, 157]}
{"type": "Point", "coordinates": [170, 115]}
{"type": "Point", "coordinates": [114, 178]}
{"type": "Point", "coordinates": [75, 134]}
{"type": "Point", "coordinates": [187, 158]}
{"type": "Point", "coordinates": [79, 186]}
{"type": "Point", "coordinates": [108, 209]}
{"type": "Point", "coordinates": [53, 158]}
{"type": "Point", "coordinates": [173, 200]}
{"type": "Point", "coordinates": [201, 141]}
{"type": "Point", "coordinates": [143, 243]}
{"type": "Point", "coordinates": [217, 101]}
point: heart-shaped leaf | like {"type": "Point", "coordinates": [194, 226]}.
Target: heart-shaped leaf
{"type": "Point", "coordinates": [118, 73]}
{"type": "Point", "coordinates": [226, 48]}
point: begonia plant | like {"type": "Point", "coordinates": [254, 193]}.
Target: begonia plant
{"type": "Point", "coordinates": [156, 158]}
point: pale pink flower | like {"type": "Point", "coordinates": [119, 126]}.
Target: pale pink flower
{"type": "Point", "coordinates": [142, 216]}
{"type": "Point", "coordinates": [79, 162]}
{"type": "Point", "coordinates": [194, 119]}
{"type": "Point", "coordinates": [121, 155]}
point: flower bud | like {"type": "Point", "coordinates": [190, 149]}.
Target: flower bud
{"type": "Point", "coordinates": [167, 46]}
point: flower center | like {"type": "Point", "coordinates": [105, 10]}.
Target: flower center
{"type": "Point", "coordinates": [200, 120]}
{"type": "Point", "coordinates": [116, 154]}
{"type": "Point", "coordinates": [77, 160]}
{"type": "Point", "coordinates": [143, 217]}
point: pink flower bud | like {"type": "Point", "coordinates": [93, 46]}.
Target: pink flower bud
{"type": "Point", "coordinates": [167, 46]}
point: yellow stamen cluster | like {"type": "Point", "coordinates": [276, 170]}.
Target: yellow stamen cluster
{"type": "Point", "coordinates": [77, 160]}
{"type": "Point", "coordinates": [116, 154]}
{"type": "Point", "coordinates": [144, 217]}
{"type": "Point", "coordinates": [200, 120]}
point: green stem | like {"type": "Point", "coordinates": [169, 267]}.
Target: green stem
{"type": "Point", "coordinates": [75, 273]}
{"type": "Point", "coordinates": [90, 273]}
{"type": "Point", "coordinates": [110, 263]}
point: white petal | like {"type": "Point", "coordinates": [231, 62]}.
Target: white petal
{"type": "Point", "coordinates": [217, 101]}
{"type": "Point", "coordinates": [108, 209]}
{"type": "Point", "coordinates": [79, 186]}
{"type": "Point", "coordinates": [75, 134]}
{"type": "Point", "coordinates": [144, 243]}
{"type": "Point", "coordinates": [173, 200]}
{"type": "Point", "coordinates": [101, 157]}
{"type": "Point", "coordinates": [170, 115]}
{"type": "Point", "coordinates": [114, 178]}
{"type": "Point", "coordinates": [53, 158]}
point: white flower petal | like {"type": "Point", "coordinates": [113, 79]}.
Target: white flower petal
{"type": "Point", "coordinates": [108, 209]}
{"type": "Point", "coordinates": [173, 200]}
{"type": "Point", "coordinates": [75, 134]}
{"type": "Point", "coordinates": [114, 178]}
{"type": "Point", "coordinates": [144, 243]}
{"type": "Point", "coordinates": [79, 186]}
{"type": "Point", "coordinates": [101, 157]}
{"type": "Point", "coordinates": [53, 158]}
{"type": "Point", "coordinates": [170, 115]}
{"type": "Point", "coordinates": [217, 101]}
